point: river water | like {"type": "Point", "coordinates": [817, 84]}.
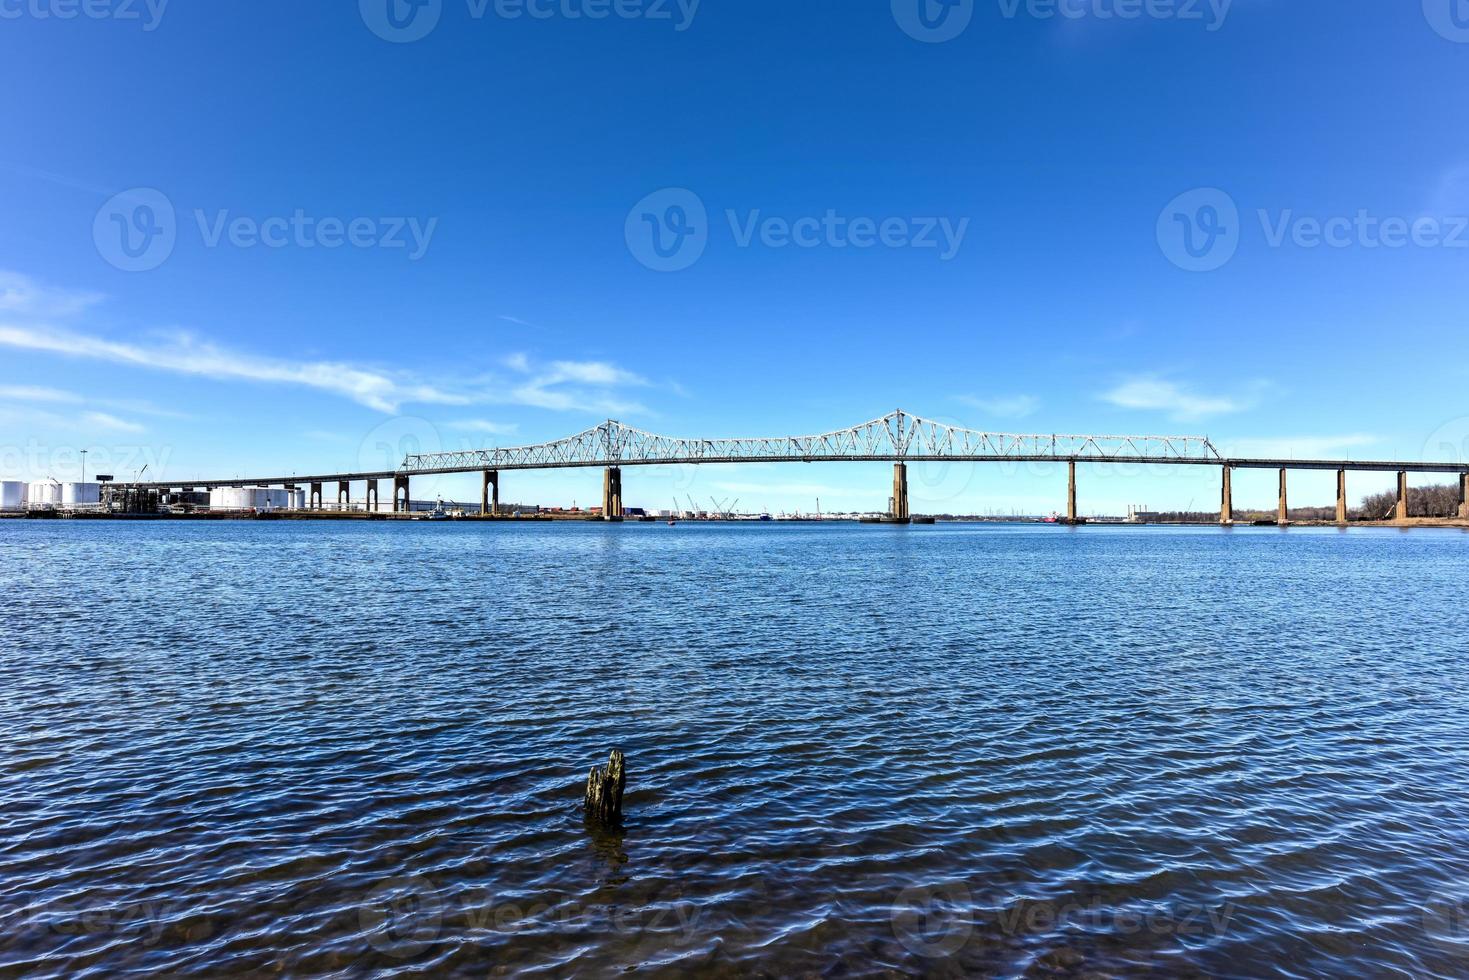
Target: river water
{"type": "Point", "coordinates": [310, 748]}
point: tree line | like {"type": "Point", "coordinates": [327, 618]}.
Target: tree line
{"type": "Point", "coordinates": [1434, 501]}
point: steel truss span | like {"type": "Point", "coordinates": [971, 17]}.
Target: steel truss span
{"type": "Point", "coordinates": [898, 437]}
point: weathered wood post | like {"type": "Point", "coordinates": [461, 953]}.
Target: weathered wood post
{"type": "Point", "coordinates": [603, 801]}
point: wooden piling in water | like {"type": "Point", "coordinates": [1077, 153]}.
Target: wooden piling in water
{"type": "Point", "coordinates": [603, 802]}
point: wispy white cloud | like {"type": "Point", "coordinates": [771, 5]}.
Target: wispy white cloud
{"type": "Point", "coordinates": [485, 426]}
{"type": "Point", "coordinates": [22, 296]}
{"type": "Point", "coordinates": [1180, 402]}
{"type": "Point", "coordinates": [186, 355]}
{"type": "Point", "coordinates": [1300, 447]}
{"type": "Point", "coordinates": [102, 420]}
{"type": "Point", "coordinates": [574, 386]}
{"type": "Point", "coordinates": [33, 395]}
{"type": "Point", "coordinates": [28, 312]}
{"type": "Point", "coordinates": [1003, 406]}
{"type": "Point", "coordinates": [1450, 196]}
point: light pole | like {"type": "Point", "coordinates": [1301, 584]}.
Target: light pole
{"type": "Point", "coordinates": [84, 466]}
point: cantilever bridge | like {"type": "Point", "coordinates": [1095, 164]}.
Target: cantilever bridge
{"type": "Point", "coordinates": [898, 438]}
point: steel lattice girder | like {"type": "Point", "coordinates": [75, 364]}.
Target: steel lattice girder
{"type": "Point", "coordinates": [897, 437]}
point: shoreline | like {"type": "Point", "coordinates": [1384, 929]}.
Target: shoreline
{"type": "Point", "coordinates": [1440, 523]}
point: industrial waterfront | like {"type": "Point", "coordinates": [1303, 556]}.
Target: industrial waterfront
{"type": "Point", "coordinates": [899, 438]}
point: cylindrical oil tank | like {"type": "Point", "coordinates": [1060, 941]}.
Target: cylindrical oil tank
{"type": "Point", "coordinates": [44, 494]}
{"type": "Point", "coordinates": [80, 494]}
{"type": "Point", "coordinates": [13, 495]}
{"type": "Point", "coordinates": [229, 498]}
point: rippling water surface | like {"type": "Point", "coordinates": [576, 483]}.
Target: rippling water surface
{"type": "Point", "coordinates": [246, 748]}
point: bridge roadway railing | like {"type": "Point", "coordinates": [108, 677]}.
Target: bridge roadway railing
{"type": "Point", "coordinates": [897, 438]}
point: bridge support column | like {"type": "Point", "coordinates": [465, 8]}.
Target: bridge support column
{"type": "Point", "coordinates": [315, 496]}
{"type": "Point", "coordinates": [489, 495]}
{"type": "Point", "coordinates": [612, 494]}
{"type": "Point", "coordinates": [1071, 492]}
{"type": "Point", "coordinates": [1401, 513]}
{"type": "Point", "coordinates": [1464, 495]}
{"type": "Point", "coordinates": [900, 510]}
{"type": "Point", "coordinates": [1284, 518]}
{"type": "Point", "coordinates": [1341, 497]}
{"type": "Point", "coordinates": [1226, 504]}
{"type": "Point", "coordinates": [372, 496]}
{"type": "Point", "coordinates": [344, 495]}
{"type": "Point", "coordinates": [402, 502]}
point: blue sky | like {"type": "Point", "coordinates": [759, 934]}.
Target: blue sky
{"type": "Point", "coordinates": [1236, 219]}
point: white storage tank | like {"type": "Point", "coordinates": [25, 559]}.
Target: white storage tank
{"type": "Point", "coordinates": [44, 494]}
{"type": "Point", "coordinates": [80, 494]}
{"type": "Point", "coordinates": [255, 498]}
{"type": "Point", "coordinates": [231, 498]}
{"type": "Point", "coordinates": [13, 495]}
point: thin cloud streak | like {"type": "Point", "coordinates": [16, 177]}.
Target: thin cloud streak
{"type": "Point", "coordinates": [1181, 403]}
{"type": "Point", "coordinates": [562, 385]}
{"type": "Point", "coordinates": [1300, 447]}
{"type": "Point", "coordinates": [374, 389]}
{"type": "Point", "coordinates": [1003, 406]}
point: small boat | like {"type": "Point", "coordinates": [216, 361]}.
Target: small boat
{"type": "Point", "coordinates": [673, 523]}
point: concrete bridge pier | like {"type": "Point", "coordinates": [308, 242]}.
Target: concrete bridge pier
{"type": "Point", "coordinates": [1071, 492]}
{"type": "Point", "coordinates": [1226, 504]}
{"type": "Point", "coordinates": [371, 496]}
{"type": "Point", "coordinates": [316, 496]}
{"type": "Point", "coordinates": [402, 502]}
{"type": "Point", "coordinates": [900, 511]}
{"type": "Point", "coordinates": [1341, 497]}
{"type": "Point", "coordinates": [344, 495]}
{"type": "Point", "coordinates": [489, 494]}
{"type": "Point", "coordinates": [612, 494]}
{"type": "Point", "coordinates": [1284, 519]}
{"type": "Point", "coordinates": [1464, 495]}
{"type": "Point", "coordinates": [1401, 513]}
